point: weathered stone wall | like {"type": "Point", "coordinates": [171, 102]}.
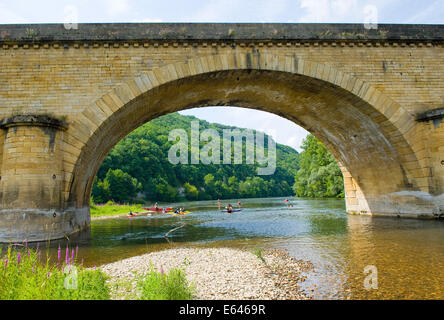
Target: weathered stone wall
{"type": "Point", "coordinates": [359, 94]}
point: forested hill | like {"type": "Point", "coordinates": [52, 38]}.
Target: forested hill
{"type": "Point", "coordinates": [139, 165]}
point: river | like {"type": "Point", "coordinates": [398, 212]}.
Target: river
{"type": "Point", "coordinates": [405, 256]}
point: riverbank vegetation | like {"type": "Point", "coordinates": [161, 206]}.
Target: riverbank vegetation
{"type": "Point", "coordinates": [113, 209]}
{"type": "Point", "coordinates": [28, 274]}
{"type": "Point", "coordinates": [165, 286]}
{"type": "Point", "coordinates": [319, 175]}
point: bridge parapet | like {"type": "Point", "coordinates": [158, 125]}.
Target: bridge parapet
{"type": "Point", "coordinates": [282, 34]}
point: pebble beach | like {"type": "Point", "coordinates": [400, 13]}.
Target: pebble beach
{"type": "Point", "coordinates": [218, 273]}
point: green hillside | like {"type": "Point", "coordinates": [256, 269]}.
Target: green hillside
{"type": "Point", "coordinates": [139, 164]}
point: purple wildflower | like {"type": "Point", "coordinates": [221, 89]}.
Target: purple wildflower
{"type": "Point", "coordinates": [47, 275]}
{"type": "Point", "coordinates": [72, 256]}
{"type": "Point", "coordinates": [67, 255]}
{"type": "Point", "coordinates": [33, 268]}
{"type": "Point", "coordinates": [161, 270]}
{"type": "Point", "coordinates": [59, 254]}
{"type": "Point", "coordinates": [18, 258]}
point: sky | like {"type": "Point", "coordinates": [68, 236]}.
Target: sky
{"type": "Point", "coordinates": [285, 11]}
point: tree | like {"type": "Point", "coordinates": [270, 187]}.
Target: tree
{"type": "Point", "coordinates": [100, 191]}
{"type": "Point", "coordinates": [319, 174]}
{"type": "Point", "coordinates": [122, 187]}
{"type": "Point", "coordinates": [191, 192]}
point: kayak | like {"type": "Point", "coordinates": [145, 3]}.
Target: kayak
{"type": "Point", "coordinates": [234, 210]}
{"type": "Point", "coordinates": [131, 215]}
{"type": "Point", "coordinates": [181, 213]}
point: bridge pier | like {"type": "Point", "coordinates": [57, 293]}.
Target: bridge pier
{"type": "Point", "coordinates": [32, 181]}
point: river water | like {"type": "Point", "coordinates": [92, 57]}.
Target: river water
{"type": "Point", "coordinates": [355, 257]}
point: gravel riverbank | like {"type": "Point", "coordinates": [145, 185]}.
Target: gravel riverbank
{"type": "Point", "coordinates": [218, 273]}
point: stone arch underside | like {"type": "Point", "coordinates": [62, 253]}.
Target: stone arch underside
{"type": "Point", "coordinates": [363, 128]}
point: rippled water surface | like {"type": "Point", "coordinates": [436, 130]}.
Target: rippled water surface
{"type": "Point", "coordinates": [408, 254]}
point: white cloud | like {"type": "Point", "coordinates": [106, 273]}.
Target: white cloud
{"type": "Point", "coordinates": [8, 16]}
{"type": "Point", "coordinates": [154, 20]}
{"type": "Point", "coordinates": [315, 11]}
{"type": "Point", "coordinates": [336, 11]}
{"type": "Point", "coordinates": [282, 130]}
{"type": "Point", "coordinates": [271, 10]}
{"type": "Point", "coordinates": [343, 7]}
{"type": "Point", "coordinates": [437, 7]}
{"type": "Point", "coordinates": [240, 11]}
{"type": "Point", "coordinates": [116, 7]}
{"type": "Point", "coordinates": [215, 10]}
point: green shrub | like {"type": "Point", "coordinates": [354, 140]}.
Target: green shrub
{"type": "Point", "coordinates": [160, 286]}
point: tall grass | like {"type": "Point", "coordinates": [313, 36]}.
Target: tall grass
{"type": "Point", "coordinates": [161, 286]}
{"type": "Point", "coordinates": [258, 253]}
{"type": "Point", "coordinates": [26, 274]}
{"type": "Point", "coordinates": [113, 209]}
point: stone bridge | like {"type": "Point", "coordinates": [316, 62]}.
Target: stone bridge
{"type": "Point", "coordinates": [67, 96]}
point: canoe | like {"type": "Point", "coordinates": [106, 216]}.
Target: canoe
{"type": "Point", "coordinates": [234, 210]}
{"type": "Point", "coordinates": [181, 214]}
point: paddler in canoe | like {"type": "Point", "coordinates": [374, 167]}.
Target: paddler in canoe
{"type": "Point", "coordinates": [180, 212]}
{"type": "Point", "coordinates": [288, 203]}
{"type": "Point", "coordinates": [229, 208]}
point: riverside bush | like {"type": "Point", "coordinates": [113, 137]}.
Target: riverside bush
{"type": "Point", "coordinates": [160, 286]}
{"type": "Point", "coordinates": [24, 275]}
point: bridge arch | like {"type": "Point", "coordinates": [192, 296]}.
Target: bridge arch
{"type": "Point", "coordinates": [366, 131]}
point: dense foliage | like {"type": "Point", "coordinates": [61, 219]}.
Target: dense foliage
{"type": "Point", "coordinates": [139, 165]}
{"type": "Point", "coordinates": [319, 174]}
